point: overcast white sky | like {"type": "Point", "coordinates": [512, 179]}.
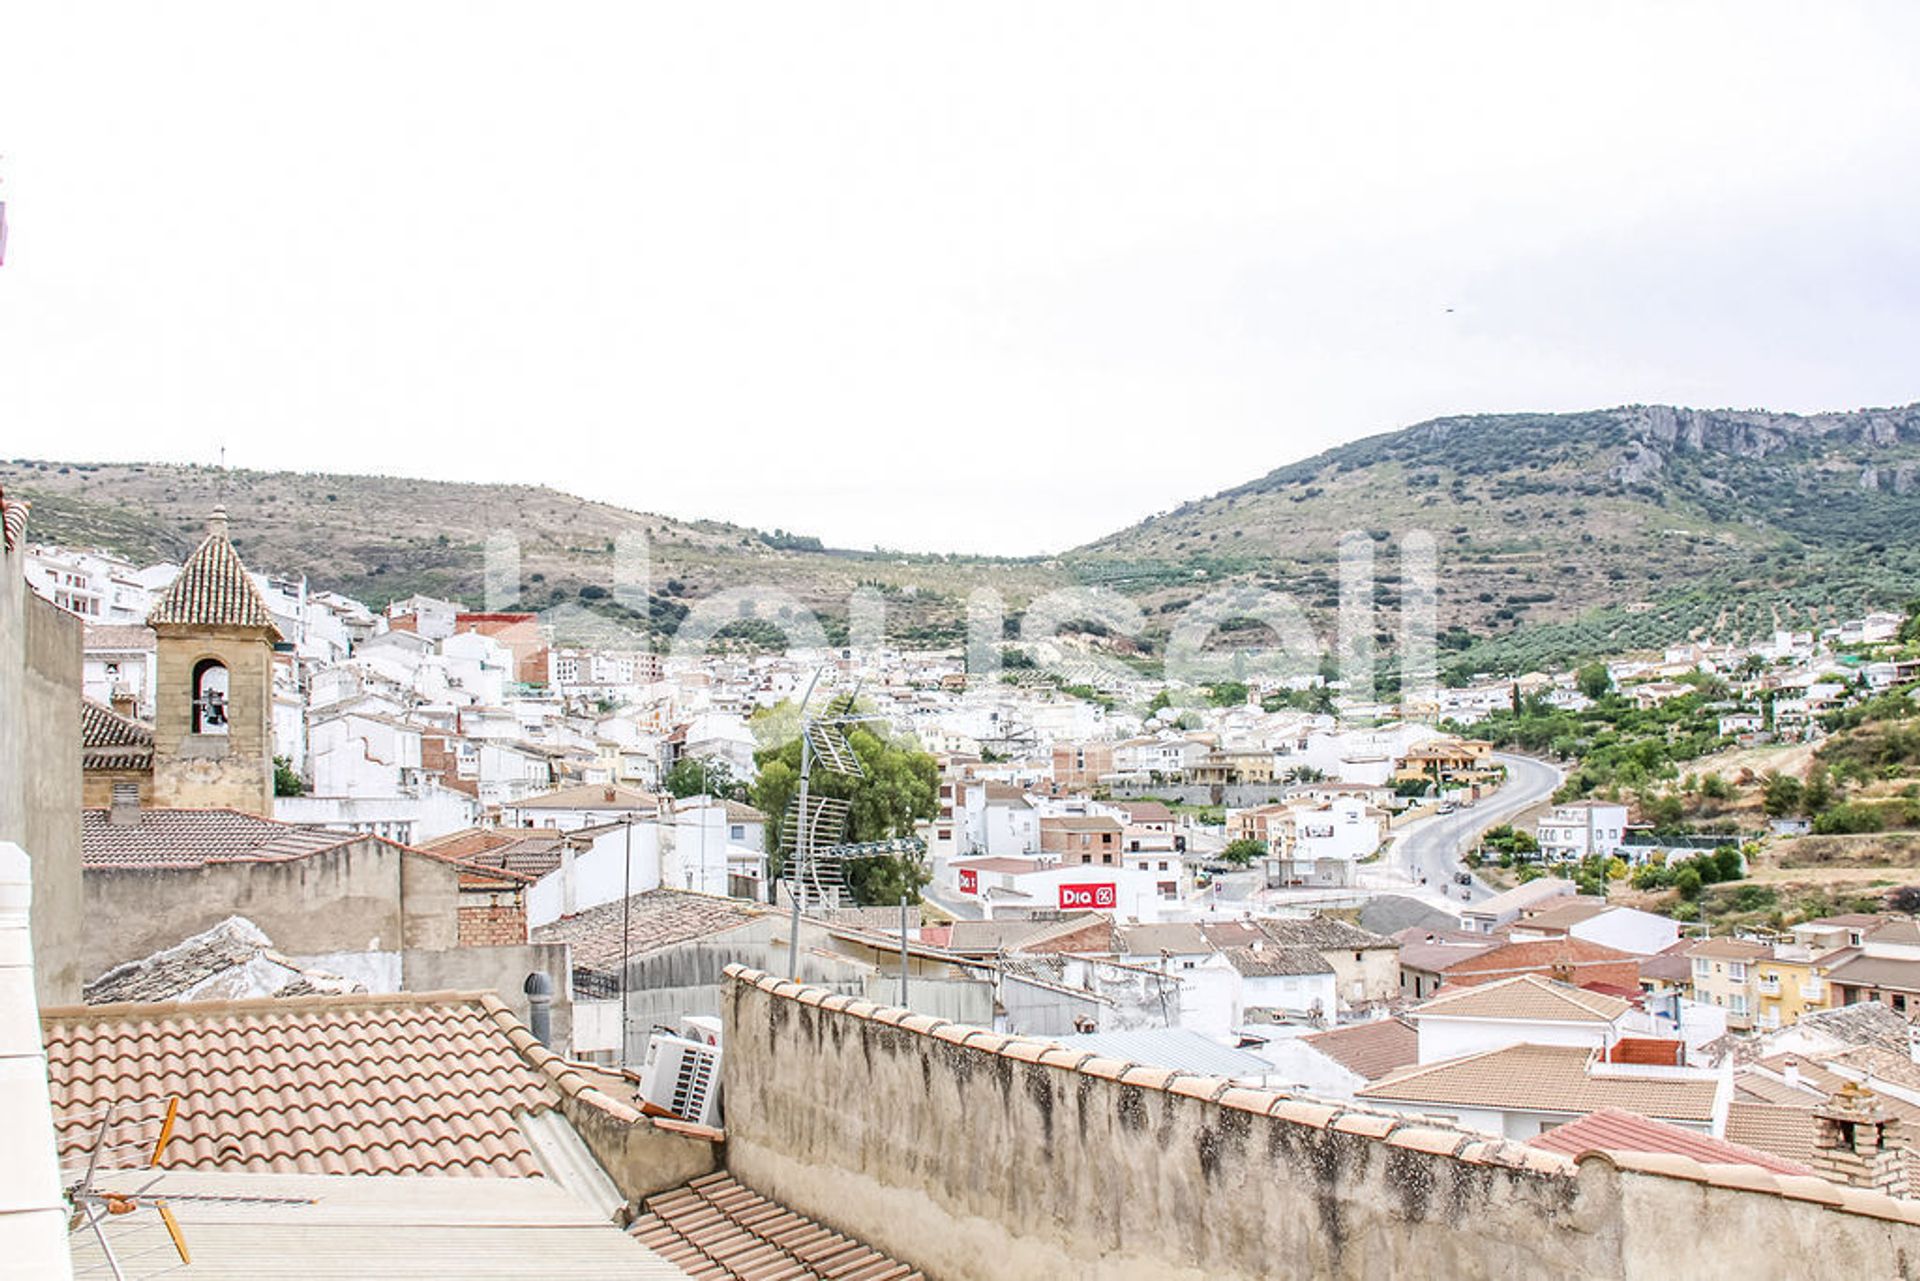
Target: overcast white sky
{"type": "Point", "coordinates": [987, 278]}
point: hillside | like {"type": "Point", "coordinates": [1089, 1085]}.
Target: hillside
{"type": "Point", "coordinates": [1561, 535]}
{"type": "Point", "coordinates": [379, 538]}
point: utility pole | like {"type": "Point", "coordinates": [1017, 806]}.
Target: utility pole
{"type": "Point", "coordinates": [903, 949]}
{"type": "Point", "coordinates": [626, 937]}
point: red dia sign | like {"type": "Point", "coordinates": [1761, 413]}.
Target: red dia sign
{"type": "Point", "coordinates": [1085, 896]}
{"type": "Point", "coordinates": [969, 881]}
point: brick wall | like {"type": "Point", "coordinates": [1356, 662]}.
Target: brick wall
{"type": "Point", "coordinates": [501, 918]}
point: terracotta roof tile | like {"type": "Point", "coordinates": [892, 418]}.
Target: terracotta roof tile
{"type": "Point", "coordinates": [1272, 960]}
{"type": "Point", "coordinates": [109, 740]}
{"type": "Point", "coordinates": [1559, 954]}
{"type": "Point", "coordinates": [590, 796]}
{"type": "Point", "coordinates": [718, 1227]}
{"type": "Point", "coordinates": [1370, 1049]}
{"type": "Point", "coordinates": [322, 1085]}
{"type": "Point", "coordinates": [1527, 997]}
{"type": "Point", "coordinates": [118, 638]}
{"type": "Point", "coordinates": [1543, 1078]}
{"type": "Point", "coordinates": [1786, 1132]}
{"type": "Point", "coordinates": [213, 590]}
{"type": "Point", "coordinates": [602, 935]}
{"type": "Point", "coordinates": [1611, 1130]}
{"type": "Point", "coordinates": [193, 838]}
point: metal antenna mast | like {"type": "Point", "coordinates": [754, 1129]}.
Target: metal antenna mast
{"type": "Point", "coordinates": [815, 829]}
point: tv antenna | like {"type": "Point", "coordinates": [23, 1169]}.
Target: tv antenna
{"type": "Point", "coordinates": [813, 833]}
{"type": "Point", "coordinates": [122, 1132]}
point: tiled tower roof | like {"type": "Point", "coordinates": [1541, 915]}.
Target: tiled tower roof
{"type": "Point", "coordinates": [109, 740]}
{"type": "Point", "coordinates": [213, 589]}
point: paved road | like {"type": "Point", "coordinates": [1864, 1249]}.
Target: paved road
{"type": "Point", "coordinates": [1432, 847]}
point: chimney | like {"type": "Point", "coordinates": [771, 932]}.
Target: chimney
{"type": "Point", "coordinates": [33, 1219]}
{"type": "Point", "coordinates": [539, 990]}
{"type": "Point", "coordinates": [1791, 1073]}
{"type": "Point", "coordinates": [217, 522]}
{"type": "Point", "coordinates": [1858, 1144]}
{"type": "Point", "coordinates": [124, 703]}
{"type": "Point", "coordinates": [125, 811]}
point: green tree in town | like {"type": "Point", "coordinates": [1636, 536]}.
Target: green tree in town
{"type": "Point", "coordinates": [897, 792]}
{"type": "Point", "coordinates": [1227, 693]}
{"type": "Point", "coordinates": [286, 781]}
{"type": "Point", "coordinates": [1243, 851]}
{"type": "Point", "coordinates": [692, 777]}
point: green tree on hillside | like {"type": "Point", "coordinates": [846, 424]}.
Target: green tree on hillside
{"type": "Point", "coordinates": [1781, 794]}
{"type": "Point", "coordinates": [1594, 681]}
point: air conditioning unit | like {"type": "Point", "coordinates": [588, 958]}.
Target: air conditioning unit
{"type": "Point", "coordinates": [704, 1028]}
{"type": "Point", "coordinates": [683, 1077]}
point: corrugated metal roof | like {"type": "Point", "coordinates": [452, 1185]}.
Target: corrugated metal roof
{"type": "Point", "coordinates": [399, 1228]}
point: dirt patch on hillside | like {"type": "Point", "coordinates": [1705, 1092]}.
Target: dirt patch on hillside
{"type": "Point", "coordinates": [1745, 766]}
{"type": "Point", "coordinates": [1875, 850]}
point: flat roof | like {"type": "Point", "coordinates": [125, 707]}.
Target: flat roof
{"type": "Point", "coordinates": [385, 1226]}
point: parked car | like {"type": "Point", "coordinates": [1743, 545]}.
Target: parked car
{"type": "Point", "coordinates": [1463, 878]}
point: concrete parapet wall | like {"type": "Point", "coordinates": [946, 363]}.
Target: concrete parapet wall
{"type": "Point", "coordinates": [976, 1155]}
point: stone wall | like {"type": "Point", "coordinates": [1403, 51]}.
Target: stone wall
{"type": "Point", "coordinates": [367, 895]}
{"type": "Point", "coordinates": [235, 769]}
{"type": "Point", "coordinates": [974, 1155]}
{"type": "Point", "coordinates": [40, 784]}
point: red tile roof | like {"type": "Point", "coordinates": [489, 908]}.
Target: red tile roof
{"type": "Point", "coordinates": [1612, 1130]}
{"type": "Point", "coordinates": [1370, 1050]}
{"type": "Point", "coordinates": [601, 935]}
{"type": "Point", "coordinates": [213, 590]}
{"type": "Point", "coordinates": [109, 740]}
{"type": "Point", "coordinates": [408, 1084]}
{"type": "Point", "coordinates": [717, 1227]}
{"type": "Point", "coordinates": [1561, 956]}
{"type": "Point", "coordinates": [194, 838]}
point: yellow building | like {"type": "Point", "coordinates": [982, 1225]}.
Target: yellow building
{"type": "Point", "coordinates": [1760, 986]}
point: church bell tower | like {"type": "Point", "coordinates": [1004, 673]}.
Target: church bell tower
{"type": "Point", "coordinates": [213, 712]}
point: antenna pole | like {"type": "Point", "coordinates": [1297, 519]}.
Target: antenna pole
{"type": "Point", "coordinates": [626, 937]}
{"type": "Point", "coordinates": [801, 848]}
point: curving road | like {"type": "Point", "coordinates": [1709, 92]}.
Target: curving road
{"type": "Point", "coordinates": [1432, 847]}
